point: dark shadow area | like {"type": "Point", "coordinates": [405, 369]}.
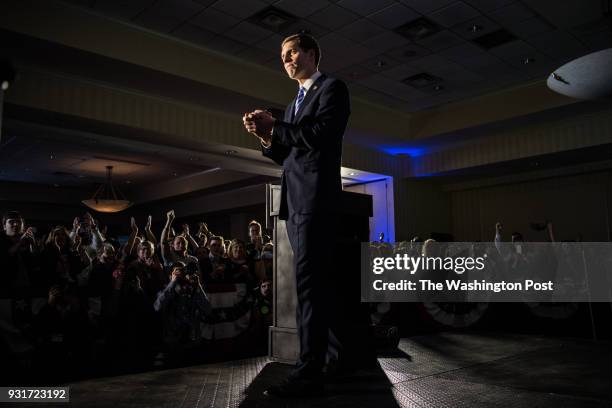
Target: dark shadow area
{"type": "Point", "coordinates": [365, 388]}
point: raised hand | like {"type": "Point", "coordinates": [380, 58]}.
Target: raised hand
{"type": "Point", "coordinates": [176, 273]}
{"type": "Point", "coordinates": [28, 234]}
{"type": "Point", "coordinates": [186, 229]}
{"type": "Point", "coordinates": [133, 225]}
{"type": "Point", "coordinates": [149, 222]}
{"type": "Point", "coordinates": [170, 216]}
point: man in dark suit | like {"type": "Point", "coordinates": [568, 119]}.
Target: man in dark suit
{"type": "Point", "coordinates": [308, 144]}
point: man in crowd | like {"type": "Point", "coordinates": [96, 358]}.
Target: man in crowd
{"type": "Point", "coordinates": [217, 265]}
{"type": "Point", "coordinates": [17, 252]}
{"type": "Point", "coordinates": [183, 304]}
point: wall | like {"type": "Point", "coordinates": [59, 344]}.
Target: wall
{"type": "Point", "coordinates": [421, 207]}
{"type": "Point", "coordinates": [576, 204]}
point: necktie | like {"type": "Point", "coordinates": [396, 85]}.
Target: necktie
{"type": "Point", "coordinates": [300, 99]}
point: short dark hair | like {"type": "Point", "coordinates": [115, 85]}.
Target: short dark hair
{"type": "Point", "coordinates": [306, 42]}
{"type": "Point", "coordinates": [216, 238]}
{"type": "Point", "coordinates": [11, 215]}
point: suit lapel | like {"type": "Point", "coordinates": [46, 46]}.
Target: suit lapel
{"type": "Point", "coordinates": [314, 89]}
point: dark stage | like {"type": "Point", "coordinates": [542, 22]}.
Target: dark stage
{"type": "Point", "coordinates": [443, 370]}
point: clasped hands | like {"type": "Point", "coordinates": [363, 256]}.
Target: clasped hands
{"type": "Point", "coordinates": [260, 123]}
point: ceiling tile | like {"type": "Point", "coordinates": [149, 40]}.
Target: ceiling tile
{"type": "Point", "coordinates": [380, 63]}
{"type": "Point", "coordinates": [194, 34]}
{"type": "Point", "coordinates": [512, 49]}
{"type": "Point", "coordinates": [559, 45]}
{"type": "Point", "coordinates": [158, 22]}
{"type": "Point", "coordinates": [571, 13]}
{"type": "Point", "coordinates": [598, 41]}
{"type": "Point", "coordinates": [475, 28]}
{"type": "Point", "coordinates": [488, 5]}
{"type": "Point", "coordinates": [361, 30]}
{"type": "Point", "coordinates": [517, 52]}
{"type": "Point", "coordinates": [165, 16]}
{"type": "Point", "coordinates": [593, 27]}
{"type": "Point", "coordinates": [122, 9]}
{"type": "Point", "coordinates": [487, 64]}
{"type": "Point", "coordinates": [402, 71]}
{"type": "Point", "coordinates": [394, 16]}
{"type": "Point", "coordinates": [353, 73]}
{"type": "Point", "coordinates": [343, 52]}
{"type": "Point", "coordinates": [530, 28]}
{"type": "Point", "coordinates": [389, 86]}
{"type": "Point", "coordinates": [457, 74]}
{"type": "Point", "coordinates": [365, 7]}
{"type": "Point", "coordinates": [205, 3]}
{"type": "Point", "coordinates": [512, 14]}
{"type": "Point", "coordinates": [426, 6]}
{"type": "Point", "coordinates": [439, 41]}
{"type": "Point", "coordinates": [215, 21]}
{"type": "Point", "coordinates": [226, 45]}
{"type": "Point", "coordinates": [313, 29]}
{"type": "Point", "coordinates": [255, 55]}
{"type": "Point", "coordinates": [454, 14]}
{"type": "Point", "coordinates": [247, 33]}
{"type": "Point", "coordinates": [408, 53]}
{"type": "Point", "coordinates": [271, 44]}
{"type": "Point", "coordinates": [386, 41]}
{"type": "Point", "coordinates": [301, 8]}
{"type": "Point", "coordinates": [431, 63]}
{"type": "Point", "coordinates": [461, 53]}
{"type": "Point", "coordinates": [240, 8]}
{"type": "Point", "coordinates": [333, 17]}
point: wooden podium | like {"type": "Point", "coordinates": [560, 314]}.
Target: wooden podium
{"type": "Point", "coordinates": [354, 211]}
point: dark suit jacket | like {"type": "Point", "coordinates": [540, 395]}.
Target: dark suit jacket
{"type": "Point", "coordinates": [309, 147]}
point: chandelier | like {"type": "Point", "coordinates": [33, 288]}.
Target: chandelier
{"type": "Point", "coordinates": [107, 199]}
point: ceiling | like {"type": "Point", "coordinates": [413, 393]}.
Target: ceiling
{"type": "Point", "coordinates": [408, 55]}
{"type": "Point", "coordinates": [35, 153]}
{"type": "Point", "coordinates": [363, 41]}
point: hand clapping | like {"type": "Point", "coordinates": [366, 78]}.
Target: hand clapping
{"type": "Point", "coordinates": [260, 124]}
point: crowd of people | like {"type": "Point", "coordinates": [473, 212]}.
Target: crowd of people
{"type": "Point", "coordinates": [76, 300]}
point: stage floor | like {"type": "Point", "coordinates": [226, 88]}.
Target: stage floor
{"type": "Point", "coordinates": [442, 370]}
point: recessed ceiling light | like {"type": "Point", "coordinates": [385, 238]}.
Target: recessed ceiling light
{"type": "Point", "coordinates": [418, 29]}
{"type": "Point", "coordinates": [273, 19]}
{"type": "Point", "coordinates": [494, 39]}
{"type": "Point", "coordinates": [421, 80]}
